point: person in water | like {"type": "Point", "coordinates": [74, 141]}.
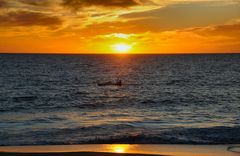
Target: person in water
{"type": "Point", "coordinates": [119, 82]}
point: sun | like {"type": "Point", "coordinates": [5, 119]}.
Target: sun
{"type": "Point", "coordinates": [122, 47]}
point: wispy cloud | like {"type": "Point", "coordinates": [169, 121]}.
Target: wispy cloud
{"type": "Point", "coordinates": [184, 15]}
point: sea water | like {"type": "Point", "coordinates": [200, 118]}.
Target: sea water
{"type": "Point", "coordinates": [167, 99]}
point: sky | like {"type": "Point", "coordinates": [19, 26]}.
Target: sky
{"type": "Point", "coordinates": [116, 26]}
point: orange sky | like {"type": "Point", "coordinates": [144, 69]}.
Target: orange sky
{"type": "Point", "coordinates": [96, 26]}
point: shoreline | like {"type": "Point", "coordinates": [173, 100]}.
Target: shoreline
{"type": "Point", "coordinates": [74, 154]}
{"type": "Point", "coordinates": [121, 149]}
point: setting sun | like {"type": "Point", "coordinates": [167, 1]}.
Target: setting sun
{"type": "Point", "coordinates": [122, 48]}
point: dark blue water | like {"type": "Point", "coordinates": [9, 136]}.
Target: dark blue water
{"type": "Point", "coordinates": [54, 99]}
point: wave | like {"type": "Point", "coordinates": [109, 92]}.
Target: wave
{"type": "Point", "coordinates": [213, 135]}
{"type": "Point", "coordinates": [123, 134]}
{"type": "Point", "coordinates": [24, 98]}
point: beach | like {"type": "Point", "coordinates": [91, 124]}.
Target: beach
{"type": "Point", "coordinates": [71, 154]}
{"type": "Point", "coordinates": [120, 149]}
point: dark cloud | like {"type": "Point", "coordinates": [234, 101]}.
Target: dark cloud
{"type": "Point", "coordinates": [24, 18]}
{"type": "Point", "coordinates": [3, 3]}
{"type": "Point", "coordinates": [36, 2]}
{"type": "Point", "coordinates": [105, 3]}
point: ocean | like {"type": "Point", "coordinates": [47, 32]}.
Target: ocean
{"type": "Point", "coordinates": [164, 99]}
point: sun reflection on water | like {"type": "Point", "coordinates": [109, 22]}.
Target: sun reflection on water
{"type": "Point", "coordinates": [119, 148]}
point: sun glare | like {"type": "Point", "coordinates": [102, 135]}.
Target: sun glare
{"type": "Point", "coordinates": [122, 48]}
{"type": "Point", "coordinates": [119, 148]}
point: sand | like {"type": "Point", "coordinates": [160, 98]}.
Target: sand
{"type": "Point", "coordinates": [71, 154]}
{"type": "Point", "coordinates": [121, 150]}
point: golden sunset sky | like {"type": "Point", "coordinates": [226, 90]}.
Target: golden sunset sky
{"type": "Point", "coordinates": [110, 26]}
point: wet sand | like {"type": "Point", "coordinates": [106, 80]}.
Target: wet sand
{"type": "Point", "coordinates": [121, 150]}
{"type": "Point", "coordinates": [72, 154]}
